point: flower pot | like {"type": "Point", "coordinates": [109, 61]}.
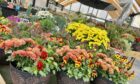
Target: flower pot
{"type": "Point", "coordinates": [101, 80]}
{"type": "Point", "coordinates": [136, 47]}
{"type": "Point", "coordinates": [62, 78]}
{"type": "Point", "coordinates": [3, 58]}
{"type": "Point", "coordinates": [8, 11]}
{"type": "Point", "coordinates": [20, 77]}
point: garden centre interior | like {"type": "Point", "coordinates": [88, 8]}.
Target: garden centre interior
{"type": "Point", "coordinates": [69, 41]}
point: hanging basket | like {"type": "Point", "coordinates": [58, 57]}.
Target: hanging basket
{"type": "Point", "coordinates": [62, 78]}
{"type": "Point", "coordinates": [20, 77]}
{"type": "Point", "coordinates": [101, 80]}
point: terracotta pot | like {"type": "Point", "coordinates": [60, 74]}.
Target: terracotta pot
{"type": "Point", "coordinates": [20, 77]}
{"type": "Point", "coordinates": [62, 78]}
{"type": "Point", "coordinates": [101, 80]}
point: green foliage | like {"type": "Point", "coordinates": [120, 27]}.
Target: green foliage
{"type": "Point", "coordinates": [60, 21]}
{"type": "Point", "coordinates": [5, 36]}
{"type": "Point", "coordinates": [1, 1]}
{"type": "Point", "coordinates": [116, 33]}
{"type": "Point", "coordinates": [48, 24]}
{"type": "Point", "coordinates": [4, 21]}
{"type": "Point", "coordinates": [80, 19]}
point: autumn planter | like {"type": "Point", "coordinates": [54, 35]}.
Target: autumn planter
{"type": "Point", "coordinates": [76, 66]}
{"type": "Point", "coordinates": [30, 62]}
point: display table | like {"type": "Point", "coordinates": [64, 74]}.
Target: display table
{"type": "Point", "coordinates": [1, 80]}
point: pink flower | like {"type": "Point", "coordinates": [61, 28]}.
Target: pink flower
{"type": "Point", "coordinates": [32, 55]}
{"type": "Point", "coordinates": [19, 42]}
{"type": "Point", "coordinates": [20, 53]}
{"type": "Point", "coordinates": [8, 43]}
{"type": "Point", "coordinates": [29, 40]}
{"type": "Point", "coordinates": [29, 49]}
{"type": "Point", "coordinates": [36, 51]}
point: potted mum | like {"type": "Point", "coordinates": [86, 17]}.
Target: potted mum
{"type": "Point", "coordinates": [91, 36]}
{"type": "Point", "coordinates": [113, 70]}
{"type": "Point", "coordinates": [76, 65]}
{"type": "Point", "coordinates": [30, 62]}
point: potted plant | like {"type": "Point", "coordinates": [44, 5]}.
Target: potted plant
{"type": "Point", "coordinates": [113, 70]}
{"type": "Point", "coordinates": [76, 65]}
{"type": "Point", "coordinates": [92, 37]}
{"type": "Point", "coordinates": [30, 62]}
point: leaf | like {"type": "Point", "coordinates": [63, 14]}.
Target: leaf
{"type": "Point", "coordinates": [54, 72]}
{"type": "Point", "coordinates": [28, 69]}
{"type": "Point", "coordinates": [35, 72]}
{"type": "Point", "coordinates": [42, 73]}
{"type": "Point", "coordinates": [80, 75]}
{"type": "Point", "coordinates": [86, 79]}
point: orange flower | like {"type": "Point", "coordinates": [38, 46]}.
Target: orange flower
{"type": "Point", "coordinates": [77, 64]}
{"type": "Point", "coordinates": [111, 71]}
{"type": "Point", "coordinates": [94, 74]}
{"type": "Point", "coordinates": [104, 67]}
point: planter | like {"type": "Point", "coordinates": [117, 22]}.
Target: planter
{"type": "Point", "coordinates": [62, 78]}
{"type": "Point", "coordinates": [8, 11]}
{"type": "Point", "coordinates": [136, 47]}
{"type": "Point", "coordinates": [20, 77]}
{"type": "Point", "coordinates": [101, 80]}
{"type": "Point", "coordinates": [3, 58]}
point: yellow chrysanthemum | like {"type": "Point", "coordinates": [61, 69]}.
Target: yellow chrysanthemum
{"type": "Point", "coordinates": [94, 36]}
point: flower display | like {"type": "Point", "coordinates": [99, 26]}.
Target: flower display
{"type": "Point", "coordinates": [15, 43]}
{"type": "Point", "coordinates": [116, 68]}
{"type": "Point", "coordinates": [77, 63]}
{"type": "Point", "coordinates": [94, 36]}
{"type": "Point", "coordinates": [30, 56]}
{"type": "Point", "coordinates": [50, 38]}
{"type": "Point", "coordinates": [41, 45]}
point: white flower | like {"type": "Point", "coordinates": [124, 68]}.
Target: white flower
{"type": "Point", "coordinates": [44, 14]}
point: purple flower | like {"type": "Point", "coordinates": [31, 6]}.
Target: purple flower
{"type": "Point", "coordinates": [14, 19]}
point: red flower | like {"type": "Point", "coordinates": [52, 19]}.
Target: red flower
{"type": "Point", "coordinates": [137, 39]}
{"type": "Point", "coordinates": [40, 65]}
{"type": "Point", "coordinates": [44, 55]}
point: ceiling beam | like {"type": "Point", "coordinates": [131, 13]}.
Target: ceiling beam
{"type": "Point", "coordinates": [138, 1]}
{"type": "Point", "coordinates": [68, 2]}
